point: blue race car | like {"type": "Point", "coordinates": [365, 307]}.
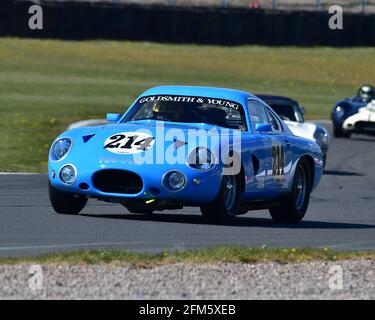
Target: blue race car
{"type": "Point", "coordinates": [222, 150]}
{"type": "Point", "coordinates": [350, 115]}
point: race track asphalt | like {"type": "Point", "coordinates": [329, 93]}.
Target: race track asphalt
{"type": "Point", "coordinates": [341, 215]}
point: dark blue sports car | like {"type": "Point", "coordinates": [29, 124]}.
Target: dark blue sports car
{"type": "Point", "coordinates": [354, 115]}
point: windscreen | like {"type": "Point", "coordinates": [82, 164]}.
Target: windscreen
{"type": "Point", "coordinates": [187, 109]}
{"type": "Point", "coordinates": [287, 112]}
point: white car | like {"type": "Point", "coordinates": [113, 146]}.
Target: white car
{"type": "Point", "coordinates": [363, 121]}
{"type": "Point", "coordinates": [292, 114]}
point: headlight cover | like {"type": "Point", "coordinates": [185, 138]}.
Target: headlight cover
{"type": "Point", "coordinates": [174, 180]}
{"type": "Point", "coordinates": [201, 158]}
{"type": "Point", "coordinates": [68, 174]}
{"type": "Point", "coordinates": [340, 111]}
{"type": "Point", "coordinates": [321, 137]}
{"type": "Point", "coordinates": [60, 148]}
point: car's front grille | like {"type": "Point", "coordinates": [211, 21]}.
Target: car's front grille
{"type": "Point", "coordinates": [364, 125]}
{"type": "Point", "coordinates": [117, 181]}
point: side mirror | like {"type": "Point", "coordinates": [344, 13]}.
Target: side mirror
{"type": "Point", "coordinates": [263, 127]}
{"type": "Point", "coordinates": [113, 117]}
{"type": "Point", "coordinates": [303, 110]}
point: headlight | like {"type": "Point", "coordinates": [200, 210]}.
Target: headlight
{"type": "Point", "coordinates": [68, 174]}
{"type": "Point", "coordinates": [340, 111]}
{"type": "Point", "coordinates": [321, 137]}
{"type": "Point", "coordinates": [201, 158]}
{"type": "Point", "coordinates": [174, 180]}
{"type": "Point", "coordinates": [60, 149]}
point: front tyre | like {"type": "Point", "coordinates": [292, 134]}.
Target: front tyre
{"type": "Point", "coordinates": [339, 132]}
{"type": "Point", "coordinates": [225, 206]}
{"type": "Point", "coordinates": [138, 209]}
{"type": "Point", "coordinates": [293, 207]}
{"type": "Point", "coordinates": [65, 202]}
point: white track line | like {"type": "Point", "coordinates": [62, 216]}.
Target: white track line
{"type": "Point", "coordinates": [343, 245]}
{"type": "Point", "coordinates": [19, 173]}
{"type": "Point", "coordinates": [73, 245]}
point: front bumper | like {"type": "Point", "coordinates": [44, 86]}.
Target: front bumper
{"type": "Point", "coordinates": [152, 178]}
{"type": "Point", "coordinates": [361, 122]}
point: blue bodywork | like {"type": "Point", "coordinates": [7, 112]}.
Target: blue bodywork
{"type": "Point", "coordinates": [88, 157]}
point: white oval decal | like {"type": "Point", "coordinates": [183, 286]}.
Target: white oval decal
{"type": "Point", "coordinates": [129, 142]}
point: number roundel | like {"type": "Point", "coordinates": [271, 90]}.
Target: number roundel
{"type": "Point", "coordinates": [129, 142]}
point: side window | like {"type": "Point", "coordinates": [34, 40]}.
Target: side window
{"type": "Point", "coordinates": [274, 121]}
{"type": "Point", "coordinates": [257, 113]}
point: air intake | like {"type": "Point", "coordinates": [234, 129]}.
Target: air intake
{"type": "Point", "coordinates": [117, 181]}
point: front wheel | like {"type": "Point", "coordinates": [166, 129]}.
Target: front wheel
{"type": "Point", "coordinates": [225, 206]}
{"type": "Point", "coordinates": [293, 207]}
{"type": "Point", "coordinates": [133, 208]}
{"type": "Point", "coordinates": [65, 202]}
{"type": "Point", "coordinates": [339, 132]}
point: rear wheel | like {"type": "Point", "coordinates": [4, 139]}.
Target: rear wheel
{"type": "Point", "coordinates": [225, 205]}
{"type": "Point", "coordinates": [65, 202]}
{"type": "Point", "coordinates": [242, 211]}
{"type": "Point", "coordinates": [293, 207]}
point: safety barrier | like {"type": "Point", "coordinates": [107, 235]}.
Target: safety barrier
{"type": "Point", "coordinates": [216, 25]}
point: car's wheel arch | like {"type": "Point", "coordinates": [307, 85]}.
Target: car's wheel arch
{"type": "Point", "coordinates": [241, 173]}
{"type": "Point", "coordinates": [311, 167]}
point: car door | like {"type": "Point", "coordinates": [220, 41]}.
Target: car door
{"type": "Point", "coordinates": [263, 151]}
{"type": "Point", "coordinates": [282, 153]}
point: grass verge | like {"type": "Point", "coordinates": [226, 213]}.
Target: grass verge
{"type": "Point", "coordinates": [47, 84]}
{"type": "Point", "coordinates": [231, 254]}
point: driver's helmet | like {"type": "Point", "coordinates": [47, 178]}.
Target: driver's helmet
{"type": "Point", "coordinates": [366, 93]}
{"type": "Point", "coordinates": [167, 111]}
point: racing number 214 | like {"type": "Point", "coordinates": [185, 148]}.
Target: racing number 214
{"type": "Point", "coordinates": [131, 142]}
{"type": "Point", "coordinates": [278, 160]}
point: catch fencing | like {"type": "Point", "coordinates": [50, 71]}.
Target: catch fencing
{"type": "Point", "coordinates": [352, 6]}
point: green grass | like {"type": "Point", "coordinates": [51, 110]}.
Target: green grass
{"type": "Point", "coordinates": [208, 255]}
{"type": "Point", "coordinates": [45, 84]}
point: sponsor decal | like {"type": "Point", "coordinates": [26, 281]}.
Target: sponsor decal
{"type": "Point", "coordinates": [129, 142]}
{"type": "Point", "coordinates": [187, 99]}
